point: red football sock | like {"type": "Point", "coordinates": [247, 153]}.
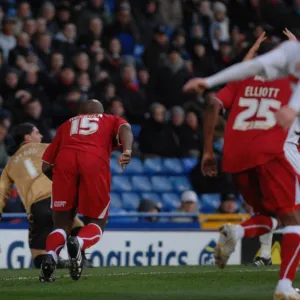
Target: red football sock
{"type": "Point", "coordinates": [290, 252]}
{"type": "Point", "coordinates": [258, 225]}
{"type": "Point", "coordinates": [55, 242]}
{"type": "Point", "coordinates": [89, 235]}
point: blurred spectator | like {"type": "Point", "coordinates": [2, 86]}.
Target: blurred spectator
{"type": "Point", "coordinates": [66, 106]}
{"type": "Point", "coordinates": [23, 12]}
{"type": "Point", "coordinates": [177, 124]}
{"type": "Point", "coordinates": [3, 152]}
{"type": "Point", "coordinates": [156, 137]}
{"type": "Point", "coordinates": [125, 29]}
{"type": "Point", "coordinates": [171, 78]}
{"type": "Point", "coordinates": [221, 22]}
{"type": "Point", "coordinates": [179, 41]}
{"type": "Point", "coordinates": [23, 49]}
{"type": "Point", "coordinates": [29, 27]}
{"type": "Point", "coordinates": [116, 108]}
{"type": "Point", "coordinates": [48, 13]}
{"type": "Point", "coordinates": [33, 110]}
{"type": "Point", "coordinates": [43, 49]}
{"type": "Point", "coordinates": [66, 79]}
{"type": "Point", "coordinates": [94, 32]}
{"type": "Point", "coordinates": [191, 140]}
{"type": "Point", "coordinates": [155, 53]}
{"type": "Point", "coordinates": [134, 99]}
{"type": "Point", "coordinates": [7, 38]}
{"type": "Point", "coordinates": [228, 204]}
{"type": "Point", "coordinates": [148, 18]}
{"type": "Point", "coordinates": [41, 25]}
{"type": "Point", "coordinates": [144, 83]}
{"type": "Point", "coordinates": [84, 84]}
{"type": "Point", "coordinates": [149, 206]}
{"type": "Point", "coordinates": [189, 204]}
{"type": "Point", "coordinates": [203, 63]}
{"type": "Point", "coordinates": [65, 40]}
{"type": "Point", "coordinates": [93, 9]}
{"type": "Point", "coordinates": [224, 56]}
{"type": "Point", "coordinates": [56, 63]}
{"type": "Point", "coordinates": [112, 62]}
{"type": "Point", "coordinates": [171, 13]}
{"type": "Point", "coordinates": [63, 15]}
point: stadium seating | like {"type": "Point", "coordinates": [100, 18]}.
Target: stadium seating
{"type": "Point", "coordinates": [161, 184]}
{"type": "Point", "coordinates": [135, 167]}
{"type": "Point", "coordinates": [188, 164]}
{"type": "Point", "coordinates": [153, 196]}
{"type": "Point", "coordinates": [210, 202]}
{"type": "Point", "coordinates": [131, 201]}
{"type": "Point", "coordinates": [115, 201]}
{"type": "Point", "coordinates": [141, 184]}
{"type": "Point", "coordinates": [153, 166]}
{"type": "Point", "coordinates": [121, 184]}
{"type": "Point", "coordinates": [180, 183]}
{"type": "Point", "coordinates": [172, 166]}
{"type": "Point", "coordinates": [171, 201]}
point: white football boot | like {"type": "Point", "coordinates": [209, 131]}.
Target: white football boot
{"type": "Point", "coordinates": [226, 245]}
{"type": "Point", "coordinates": [288, 294]}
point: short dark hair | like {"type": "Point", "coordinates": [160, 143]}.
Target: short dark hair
{"type": "Point", "coordinates": [20, 131]}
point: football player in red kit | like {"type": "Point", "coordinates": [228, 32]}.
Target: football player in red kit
{"type": "Point", "coordinates": [264, 162]}
{"type": "Point", "coordinates": [78, 162]}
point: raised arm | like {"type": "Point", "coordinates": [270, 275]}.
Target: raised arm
{"type": "Point", "coordinates": [271, 65]}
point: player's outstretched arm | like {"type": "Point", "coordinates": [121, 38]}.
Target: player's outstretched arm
{"type": "Point", "coordinates": [6, 185]}
{"type": "Point", "coordinates": [271, 65]}
{"type": "Point", "coordinates": [211, 116]}
{"type": "Point", "coordinates": [126, 140]}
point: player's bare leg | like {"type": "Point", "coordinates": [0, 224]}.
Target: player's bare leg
{"type": "Point", "coordinates": [230, 234]}
{"type": "Point", "coordinates": [56, 240]}
{"type": "Point", "coordinates": [290, 256]}
{"type": "Point", "coordinates": [87, 236]}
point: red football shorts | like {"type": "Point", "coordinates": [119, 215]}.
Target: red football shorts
{"type": "Point", "coordinates": [81, 181]}
{"type": "Point", "coordinates": [272, 187]}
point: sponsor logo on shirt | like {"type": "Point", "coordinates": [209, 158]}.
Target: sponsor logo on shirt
{"type": "Point", "coordinates": [59, 203]}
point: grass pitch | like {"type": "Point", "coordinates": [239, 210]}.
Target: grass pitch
{"type": "Point", "coordinates": [201, 283]}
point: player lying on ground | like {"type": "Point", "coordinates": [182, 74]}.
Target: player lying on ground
{"type": "Point", "coordinates": [78, 163]}
{"type": "Point", "coordinates": [24, 170]}
{"type": "Point", "coordinates": [267, 159]}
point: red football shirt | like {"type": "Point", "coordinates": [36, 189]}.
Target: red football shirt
{"type": "Point", "coordinates": [95, 134]}
{"type": "Point", "coordinates": [252, 136]}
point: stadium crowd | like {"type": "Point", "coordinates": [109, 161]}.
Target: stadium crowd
{"type": "Point", "coordinates": [133, 55]}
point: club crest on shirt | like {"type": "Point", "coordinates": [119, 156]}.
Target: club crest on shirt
{"type": "Point", "coordinates": [259, 78]}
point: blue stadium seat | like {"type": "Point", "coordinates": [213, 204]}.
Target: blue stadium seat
{"type": "Point", "coordinates": [210, 202]}
{"type": "Point", "coordinates": [115, 201]}
{"type": "Point", "coordinates": [189, 163]}
{"type": "Point", "coordinates": [161, 184]}
{"type": "Point", "coordinates": [141, 184]}
{"type": "Point", "coordinates": [136, 129]}
{"type": "Point", "coordinates": [180, 183]}
{"type": "Point", "coordinates": [170, 201]}
{"type": "Point", "coordinates": [135, 167]}
{"type": "Point", "coordinates": [114, 166]}
{"type": "Point", "coordinates": [172, 166]}
{"type": "Point", "coordinates": [131, 201]}
{"type": "Point", "coordinates": [153, 166]}
{"type": "Point", "coordinates": [119, 219]}
{"type": "Point", "coordinates": [152, 196]}
{"type": "Point", "coordinates": [121, 184]}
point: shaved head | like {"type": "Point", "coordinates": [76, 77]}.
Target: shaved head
{"type": "Point", "coordinates": [91, 106]}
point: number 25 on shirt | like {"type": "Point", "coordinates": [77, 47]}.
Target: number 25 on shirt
{"type": "Point", "coordinates": [260, 111]}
